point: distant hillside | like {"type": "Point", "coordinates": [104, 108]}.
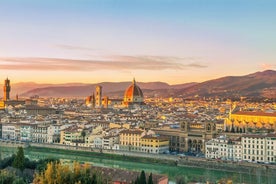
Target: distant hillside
{"type": "Point", "coordinates": [112, 89]}
{"type": "Point", "coordinates": [260, 84]}
{"type": "Point", "coordinates": [24, 87]}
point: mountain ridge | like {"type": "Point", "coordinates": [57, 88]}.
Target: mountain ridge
{"type": "Point", "coordinates": [255, 84]}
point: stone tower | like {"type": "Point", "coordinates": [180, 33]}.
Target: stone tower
{"type": "Point", "coordinates": [7, 89]}
{"type": "Point", "coordinates": [98, 100]}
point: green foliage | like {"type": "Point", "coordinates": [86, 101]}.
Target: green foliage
{"type": "Point", "coordinates": [10, 178]}
{"type": "Point", "coordinates": [42, 163]}
{"type": "Point", "coordinates": [6, 177]}
{"type": "Point", "coordinates": [19, 160]}
{"type": "Point", "coordinates": [83, 134]}
{"type": "Point", "coordinates": [180, 180]}
{"type": "Point", "coordinates": [56, 173]}
{"type": "Point", "coordinates": [7, 162]}
{"type": "Point", "coordinates": [143, 177]}
{"type": "Point", "coordinates": [19, 181]}
{"type": "Point", "coordinates": [137, 181]}
{"type": "Point", "coordinates": [150, 181]}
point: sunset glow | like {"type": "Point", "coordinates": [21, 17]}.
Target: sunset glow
{"type": "Point", "coordinates": [171, 41]}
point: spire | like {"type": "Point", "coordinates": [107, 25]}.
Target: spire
{"type": "Point", "coordinates": [133, 82]}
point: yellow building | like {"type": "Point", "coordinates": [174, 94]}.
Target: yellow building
{"type": "Point", "coordinates": [251, 119]}
{"type": "Point", "coordinates": [154, 144]}
{"type": "Point", "coordinates": [130, 139]}
{"type": "Point", "coordinates": [116, 125]}
{"type": "Point", "coordinates": [70, 136]}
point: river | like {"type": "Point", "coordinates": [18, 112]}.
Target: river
{"type": "Point", "coordinates": [190, 174]}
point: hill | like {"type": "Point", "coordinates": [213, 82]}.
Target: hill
{"type": "Point", "coordinates": [112, 89]}
{"type": "Point", "coordinates": [259, 84]}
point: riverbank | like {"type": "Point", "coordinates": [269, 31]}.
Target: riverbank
{"type": "Point", "coordinates": [199, 166]}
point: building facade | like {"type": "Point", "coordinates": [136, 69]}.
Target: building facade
{"type": "Point", "coordinates": [250, 120]}
{"type": "Point", "coordinates": [190, 137]}
{"type": "Point", "coordinates": [249, 147]}
{"type": "Point", "coordinates": [154, 144]}
{"type": "Point", "coordinates": [259, 148]}
{"type": "Point", "coordinates": [224, 148]}
{"type": "Point", "coordinates": [130, 140]}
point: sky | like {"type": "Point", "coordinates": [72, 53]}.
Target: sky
{"type": "Point", "coordinates": [174, 41]}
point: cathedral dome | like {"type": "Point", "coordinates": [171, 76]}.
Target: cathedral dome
{"type": "Point", "coordinates": [133, 94]}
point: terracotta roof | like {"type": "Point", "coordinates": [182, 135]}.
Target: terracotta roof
{"type": "Point", "coordinates": [155, 137]}
{"type": "Point", "coordinates": [254, 135]}
{"type": "Point", "coordinates": [133, 90]}
{"type": "Point", "coordinates": [255, 113]}
{"type": "Point", "coordinates": [131, 132]}
{"type": "Point", "coordinates": [120, 175]}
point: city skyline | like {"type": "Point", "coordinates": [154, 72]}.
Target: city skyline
{"type": "Point", "coordinates": [169, 41]}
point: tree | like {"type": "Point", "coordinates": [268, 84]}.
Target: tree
{"type": "Point", "coordinates": [143, 177]}
{"type": "Point", "coordinates": [19, 181]}
{"type": "Point", "coordinates": [180, 180]}
{"type": "Point", "coordinates": [56, 173]}
{"type": "Point", "coordinates": [150, 181]}
{"type": "Point", "coordinates": [83, 134]}
{"type": "Point", "coordinates": [6, 177]}
{"type": "Point", "coordinates": [137, 181]}
{"type": "Point", "coordinates": [19, 160]}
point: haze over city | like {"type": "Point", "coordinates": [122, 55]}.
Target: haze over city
{"type": "Point", "coordinates": [171, 41]}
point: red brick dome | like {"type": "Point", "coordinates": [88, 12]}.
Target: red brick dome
{"type": "Point", "coordinates": [133, 93]}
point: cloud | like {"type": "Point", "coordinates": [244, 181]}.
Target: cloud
{"type": "Point", "coordinates": [123, 63]}
{"type": "Point", "coordinates": [267, 66]}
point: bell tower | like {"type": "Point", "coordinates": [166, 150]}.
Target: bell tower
{"type": "Point", "coordinates": [7, 89]}
{"type": "Point", "coordinates": [98, 100]}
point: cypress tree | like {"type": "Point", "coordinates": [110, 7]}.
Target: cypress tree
{"type": "Point", "coordinates": [150, 181]}
{"type": "Point", "coordinates": [19, 160]}
{"type": "Point", "coordinates": [143, 178]}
